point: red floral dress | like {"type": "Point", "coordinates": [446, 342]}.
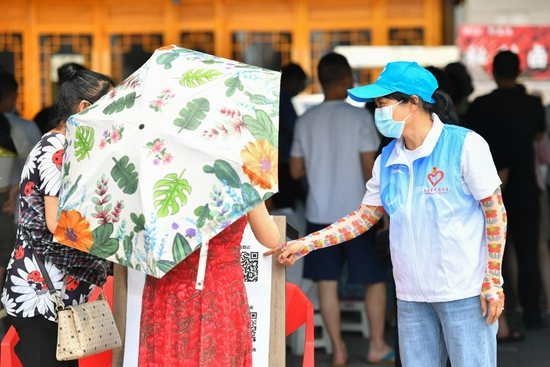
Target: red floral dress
{"type": "Point", "coordinates": [181, 326]}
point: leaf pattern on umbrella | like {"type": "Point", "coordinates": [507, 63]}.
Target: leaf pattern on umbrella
{"type": "Point", "coordinates": [120, 104]}
{"type": "Point", "coordinates": [104, 245]}
{"type": "Point", "coordinates": [166, 59]}
{"type": "Point", "coordinates": [124, 173]}
{"type": "Point", "coordinates": [84, 142]}
{"type": "Point", "coordinates": [250, 194]}
{"type": "Point", "coordinates": [180, 250]}
{"type": "Point", "coordinates": [233, 84]}
{"type": "Point", "coordinates": [224, 172]}
{"type": "Point", "coordinates": [169, 194]}
{"type": "Point", "coordinates": [196, 78]}
{"type": "Point", "coordinates": [139, 221]}
{"type": "Point", "coordinates": [262, 127]}
{"type": "Point", "coordinates": [192, 116]}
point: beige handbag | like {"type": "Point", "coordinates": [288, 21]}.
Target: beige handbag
{"type": "Point", "coordinates": [86, 329]}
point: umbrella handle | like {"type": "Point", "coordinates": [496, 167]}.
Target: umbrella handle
{"type": "Point", "coordinates": [202, 266]}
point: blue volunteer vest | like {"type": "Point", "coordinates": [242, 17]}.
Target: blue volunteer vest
{"type": "Point", "coordinates": [437, 230]}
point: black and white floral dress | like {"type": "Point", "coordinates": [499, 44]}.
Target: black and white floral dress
{"type": "Point", "coordinates": [25, 293]}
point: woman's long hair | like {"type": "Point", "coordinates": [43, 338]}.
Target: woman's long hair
{"type": "Point", "coordinates": [77, 86]}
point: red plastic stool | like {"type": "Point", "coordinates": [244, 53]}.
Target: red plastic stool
{"type": "Point", "coordinates": [7, 354]}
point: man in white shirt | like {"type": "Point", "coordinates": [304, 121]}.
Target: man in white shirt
{"type": "Point", "coordinates": [334, 147]}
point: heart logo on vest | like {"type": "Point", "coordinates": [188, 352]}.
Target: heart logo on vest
{"type": "Point", "coordinates": [436, 176]}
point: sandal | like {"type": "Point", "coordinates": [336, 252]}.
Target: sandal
{"type": "Point", "coordinates": [387, 359]}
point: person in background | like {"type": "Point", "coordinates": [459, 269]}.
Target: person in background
{"type": "Point", "coordinates": [446, 257]}
{"type": "Point", "coordinates": [13, 144]}
{"type": "Point", "coordinates": [542, 151]}
{"type": "Point", "coordinates": [334, 148]}
{"type": "Point", "coordinates": [293, 81]}
{"type": "Point", "coordinates": [8, 98]}
{"type": "Point", "coordinates": [22, 136]}
{"type": "Point", "coordinates": [511, 121]}
{"type": "Point", "coordinates": [545, 239]}
{"type": "Point", "coordinates": [30, 307]}
{"type": "Point", "coordinates": [462, 87]}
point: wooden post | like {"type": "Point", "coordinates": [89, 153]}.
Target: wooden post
{"type": "Point", "coordinates": [277, 335]}
{"type": "Point", "coordinates": [120, 300]}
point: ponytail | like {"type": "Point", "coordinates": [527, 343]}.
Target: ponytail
{"type": "Point", "coordinates": [443, 108]}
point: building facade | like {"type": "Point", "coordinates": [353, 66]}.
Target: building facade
{"type": "Point", "coordinates": [115, 37]}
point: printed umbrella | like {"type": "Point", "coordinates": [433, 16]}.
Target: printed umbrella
{"type": "Point", "coordinates": [170, 157]}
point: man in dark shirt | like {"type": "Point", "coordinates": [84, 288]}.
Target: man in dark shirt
{"type": "Point", "coordinates": [293, 81]}
{"type": "Point", "coordinates": [510, 120]}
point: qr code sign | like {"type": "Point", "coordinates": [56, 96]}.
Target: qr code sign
{"type": "Point", "coordinates": [254, 319]}
{"type": "Point", "coordinates": [249, 262]}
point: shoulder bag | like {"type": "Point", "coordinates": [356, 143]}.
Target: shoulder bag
{"type": "Point", "coordinates": [85, 329]}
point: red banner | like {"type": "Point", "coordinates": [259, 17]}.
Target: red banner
{"type": "Point", "coordinates": [478, 45]}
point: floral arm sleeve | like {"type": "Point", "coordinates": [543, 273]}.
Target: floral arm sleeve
{"type": "Point", "coordinates": [349, 227]}
{"type": "Point", "coordinates": [495, 216]}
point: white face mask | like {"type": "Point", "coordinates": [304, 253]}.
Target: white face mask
{"type": "Point", "coordinates": [383, 119]}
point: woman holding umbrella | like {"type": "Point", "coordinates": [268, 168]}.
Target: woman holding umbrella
{"type": "Point", "coordinates": [439, 185]}
{"type": "Point", "coordinates": [183, 326]}
{"type": "Point", "coordinates": [30, 307]}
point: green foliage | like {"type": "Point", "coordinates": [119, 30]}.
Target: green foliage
{"type": "Point", "coordinates": [66, 168]}
{"type": "Point", "coordinates": [262, 127]}
{"type": "Point", "coordinates": [169, 194]}
{"type": "Point", "coordinates": [225, 173]}
{"type": "Point", "coordinates": [84, 142]}
{"type": "Point", "coordinates": [258, 98]}
{"type": "Point", "coordinates": [120, 104]}
{"type": "Point", "coordinates": [194, 78]}
{"type": "Point", "coordinates": [233, 84]}
{"type": "Point", "coordinates": [203, 212]}
{"type": "Point", "coordinates": [125, 175]}
{"type": "Point", "coordinates": [104, 246]}
{"type": "Point", "coordinates": [165, 265]}
{"type": "Point", "coordinates": [128, 244]}
{"type": "Point", "coordinates": [249, 193]}
{"type": "Point", "coordinates": [138, 221]}
{"type": "Point", "coordinates": [167, 58]}
{"type": "Point", "coordinates": [192, 116]}
{"type": "Point", "coordinates": [180, 248]}
{"type": "Point", "coordinates": [69, 192]}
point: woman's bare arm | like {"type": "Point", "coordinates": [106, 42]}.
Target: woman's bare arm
{"type": "Point", "coordinates": [50, 204]}
{"type": "Point", "coordinates": [264, 228]}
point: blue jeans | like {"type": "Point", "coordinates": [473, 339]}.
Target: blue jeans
{"type": "Point", "coordinates": [429, 332]}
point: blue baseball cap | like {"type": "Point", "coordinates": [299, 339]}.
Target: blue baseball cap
{"type": "Point", "coordinates": [400, 76]}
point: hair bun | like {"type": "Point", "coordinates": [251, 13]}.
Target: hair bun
{"type": "Point", "coordinates": [68, 71]}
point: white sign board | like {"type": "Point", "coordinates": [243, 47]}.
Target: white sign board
{"type": "Point", "coordinates": [379, 56]}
